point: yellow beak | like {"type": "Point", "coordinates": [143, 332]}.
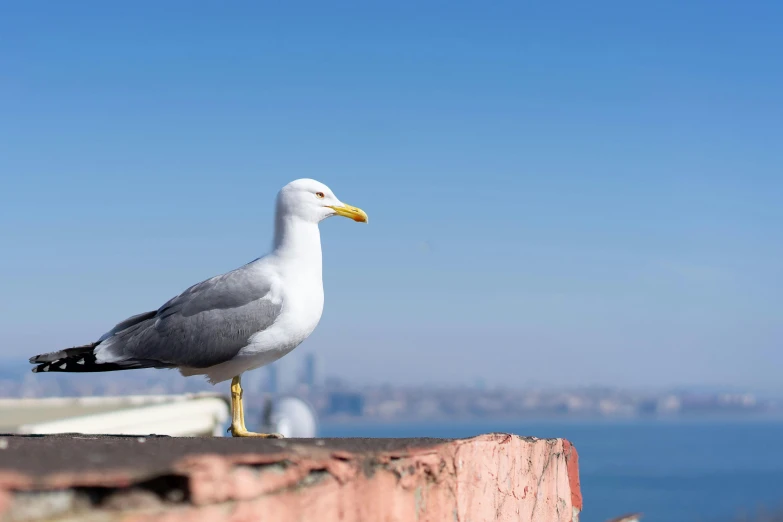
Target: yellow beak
{"type": "Point", "coordinates": [348, 211]}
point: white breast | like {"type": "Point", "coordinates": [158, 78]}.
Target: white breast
{"type": "Point", "coordinates": [294, 268]}
{"type": "Point", "coordinates": [302, 298]}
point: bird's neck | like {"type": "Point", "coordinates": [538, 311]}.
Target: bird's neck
{"type": "Point", "coordinates": [299, 242]}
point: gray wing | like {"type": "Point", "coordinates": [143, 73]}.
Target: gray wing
{"type": "Point", "coordinates": [205, 325]}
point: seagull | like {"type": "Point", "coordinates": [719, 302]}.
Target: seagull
{"type": "Point", "coordinates": [234, 322]}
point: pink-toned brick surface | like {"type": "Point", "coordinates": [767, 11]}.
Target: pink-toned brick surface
{"type": "Point", "coordinates": [490, 477]}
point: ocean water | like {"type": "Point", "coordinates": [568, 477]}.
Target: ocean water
{"type": "Point", "coordinates": [672, 471]}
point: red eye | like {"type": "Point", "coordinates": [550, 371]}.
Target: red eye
{"type": "Point", "coordinates": [319, 195]}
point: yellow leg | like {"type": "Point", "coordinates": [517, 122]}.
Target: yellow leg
{"type": "Point", "coordinates": [238, 428]}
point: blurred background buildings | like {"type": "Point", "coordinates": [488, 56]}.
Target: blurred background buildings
{"type": "Point", "coordinates": [336, 399]}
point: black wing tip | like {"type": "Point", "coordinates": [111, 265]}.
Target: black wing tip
{"type": "Point", "coordinates": [44, 367]}
{"type": "Point", "coordinates": [46, 357]}
{"type": "Point", "coordinates": [53, 357]}
{"type": "Point", "coordinates": [67, 360]}
{"type": "Point", "coordinates": [87, 363]}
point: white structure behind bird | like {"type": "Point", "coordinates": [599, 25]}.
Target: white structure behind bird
{"type": "Point", "coordinates": [290, 417]}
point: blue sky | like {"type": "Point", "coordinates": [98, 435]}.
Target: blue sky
{"type": "Point", "coordinates": [558, 194]}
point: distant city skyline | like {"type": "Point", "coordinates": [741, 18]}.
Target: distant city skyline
{"type": "Point", "coordinates": [557, 195]}
{"type": "Point", "coordinates": [337, 400]}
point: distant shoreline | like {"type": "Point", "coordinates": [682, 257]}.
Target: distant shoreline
{"type": "Point", "coordinates": [556, 419]}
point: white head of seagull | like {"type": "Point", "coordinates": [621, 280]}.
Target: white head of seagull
{"type": "Point", "coordinates": [312, 201]}
{"type": "Point", "coordinates": [301, 205]}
